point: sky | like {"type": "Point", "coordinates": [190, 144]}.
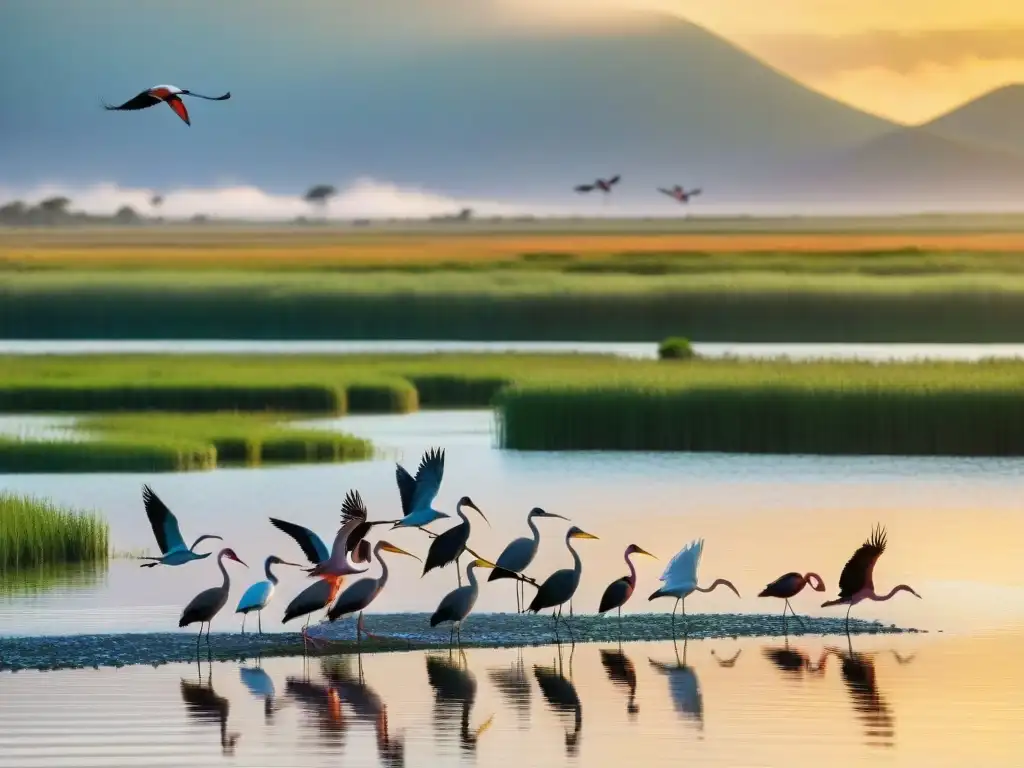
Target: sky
{"type": "Point", "coordinates": [908, 60]}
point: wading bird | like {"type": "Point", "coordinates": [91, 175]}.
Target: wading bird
{"type": "Point", "coordinates": [359, 595]}
{"type": "Point", "coordinates": [167, 94]}
{"type": "Point", "coordinates": [679, 194]}
{"type": "Point", "coordinates": [258, 595]}
{"type": "Point", "coordinates": [789, 586]}
{"type": "Point", "coordinates": [855, 582]}
{"type": "Point", "coordinates": [448, 547]}
{"type": "Point", "coordinates": [418, 493]}
{"type": "Point", "coordinates": [605, 185]}
{"type": "Point", "coordinates": [168, 535]}
{"type": "Point", "coordinates": [457, 604]}
{"type": "Point", "coordinates": [350, 552]}
{"type": "Point", "coordinates": [315, 597]}
{"type": "Point", "coordinates": [620, 590]}
{"type": "Point", "coordinates": [518, 555]}
{"type": "Point", "coordinates": [680, 579]}
{"type": "Point", "coordinates": [561, 585]}
{"type": "Point", "coordinates": [207, 604]}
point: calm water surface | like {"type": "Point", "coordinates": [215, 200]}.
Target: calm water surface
{"type": "Point", "coordinates": [956, 532]}
{"type": "Point", "coordinates": [901, 701]}
{"type": "Point", "coordinates": [876, 352]}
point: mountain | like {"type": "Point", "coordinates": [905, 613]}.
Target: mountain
{"type": "Point", "coordinates": [995, 119]}
{"type": "Point", "coordinates": [917, 165]}
{"type": "Point", "coordinates": [507, 114]}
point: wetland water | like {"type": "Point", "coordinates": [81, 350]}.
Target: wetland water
{"type": "Point", "coordinates": [874, 352]}
{"type": "Point", "coordinates": [905, 700]}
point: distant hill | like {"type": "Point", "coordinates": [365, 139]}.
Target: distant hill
{"type": "Point", "coordinates": [915, 164]}
{"type": "Point", "coordinates": [995, 119]}
{"type": "Point", "coordinates": [503, 115]}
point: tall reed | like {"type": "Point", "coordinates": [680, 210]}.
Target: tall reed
{"type": "Point", "coordinates": [35, 533]}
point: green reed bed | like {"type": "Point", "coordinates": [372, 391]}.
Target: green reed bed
{"type": "Point", "coordinates": [35, 533]}
{"type": "Point", "coordinates": [120, 453]}
{"type": "Point", "coordinates": [818, 408]}
{"type": "Point", "coordinates": [629, 302]}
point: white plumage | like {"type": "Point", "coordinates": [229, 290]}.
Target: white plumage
{"type": "Point", "coordinates": [680, 576]}
{"type": "Point", "coordinates": [256, 597]}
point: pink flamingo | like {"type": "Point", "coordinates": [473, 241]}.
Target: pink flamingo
{"type": "Point", "coordinates": [620, 590]}
{"type": "Point", "coordinates": [855, 582]}
{"type": "Point", "coordinates": [789, 586]}
{"type": "Point", "coordinates": [680, 194]}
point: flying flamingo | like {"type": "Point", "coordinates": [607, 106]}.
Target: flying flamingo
{"type": "Point", "coordinates": [168, 534]}
{"type": "Point", "coordinates": [207, 604]}
{"type": "Point", "coordinates": [789, 586]}
{"type": "Point", "coordinates": [605, 185]}
{"type": "Point", "coordinates": [855, 582]}
{"type": "Point", "coordinates": [680, 579]}
{"type": "Point", "coordinates": [680, 194]}
{"type": "Point", "coordinates": [620, 590]}
{"type": "Point", "coordinates": [169, 95]}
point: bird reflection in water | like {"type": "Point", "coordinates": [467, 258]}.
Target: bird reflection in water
{"type": "Point", "coordinates": [323, 705]}
{"type": "Point", "coordinates": [794, 662]}
{"type": "Point", "coordinates": [514, 685]}
{"type": "Point", "coordinates": [858, 670]}
{"type": "Point", "coordinates": [683, 686]}
{"type": "Point", "coordinates": [454, 693]}
{"type": "Point", "coordinates": [622, 673]}
{"type": "Point", "coordinates": [203, 704]}
{"type": "Point", "coordinates": [366, 704]}
{"type": "Point", "coordinates": [261, 686]}
{"type": "Point", "coordinates": [561, 694]}
{"type": "Point", "coordinates": [727, 663]}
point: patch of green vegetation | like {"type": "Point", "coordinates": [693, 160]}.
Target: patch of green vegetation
{"type": "Point", "coordinates": [37, 534]}
{"type": "Point", "coordinates": [676, 348]}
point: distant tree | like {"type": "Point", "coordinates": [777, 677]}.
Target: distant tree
{"type": "Point", "coordinates": [156, 201]}
{"type": "Point", "coordinates": [319, 194]}
{"type": "Point", "coordinates": [126, 215]}
{"type": "Point", "coordinates": [13, 213]}
{"type": "Point", "coordinates": [55, 205]}
{"type": "Point", "coordinates": [465, 214]}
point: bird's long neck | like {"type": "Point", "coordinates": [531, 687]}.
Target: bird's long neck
{"type": "Point", "coordinates": [632, 570]}
{"type": "Point", "coordinates": [577, 564]}
{"type": "Point", "coordinates": [892, 592]}
{"type": "Point", "coordinates": [716, 583]}
{"type": "Point", "coordinates": [533, 529]}
{"type": "Point", "coordinates": [270, 574]}
{"type": "Point", "coordinates": [460, 513]}
{"type": "Point", "coordinates": [383, 579]}
{"type": "Point", "coordinates": [223, 570]}
{"type": "Point", "coordinates": [814, 580]}
{"type": "Point", "coordinates": [471, 577]}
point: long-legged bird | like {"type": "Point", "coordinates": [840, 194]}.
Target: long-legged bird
{"type": "Point", "coordinates": [680, 579]}
{"type": "Point", "coordinates": [168, 534]}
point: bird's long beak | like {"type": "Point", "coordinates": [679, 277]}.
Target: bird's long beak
{"type": "Point", "coordinates": [481, 563]}
{"type": "Point", "coordinates": [551, 514]}
{"type": "Point", "coordinates": [240, 560]}
{"type": "Point", "coordinates": [397, 550]}
{"type": "Point", "coordinates": [644, 552]}
{"type": "Point", "coordinates": [583, 535]}
{"type": "Point", "coordinates": [285, 562]}
{"type": "Point", "coordinates": [474, 506]}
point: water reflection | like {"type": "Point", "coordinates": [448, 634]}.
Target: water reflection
{"type": "Point", "coordinates": [561, 694]}
{"type": "Point", "coordinates": [858, 670]}
{"type": "Point", "coordinates": [322, 704]}
{"type": "Point", "coordinates": [260, 685]}
{"type": "Point", "coordinates": [683, 687]}
{"type": "Point", "coordinates": [70, 577]}
{"type": "Point", "coordinates": [794, 662]}
{"type": "Point", "coordinates": [366, 704]}
{"type": "Point", "coordinates": [727, 663]}
{"type": "Point", "coordinates": [622, 673]}
{"type": "Point", "coordinates": [454, 693]}
{"type": "Point", "coordinates": [514, 685]}
{"type": "Point", "coordinates": [204, 704]}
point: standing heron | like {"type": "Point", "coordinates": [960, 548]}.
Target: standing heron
{"type": "Point", "coordinates": [168, 535]}
{"type": "Point", "coordinates": [790, 585]}
{"type": "Point", "coordinates": [620, 590]}
{"type": "Point", "coordinates": [518, 555]}
{"type": "Point", "coordinates": [418, 494]}
{"type": "Point", "coordinates": [561, 585]}
{"type": "Point", "coordinates": [457, 604]}
{"type": "Point", "coordinates": [448, 547]}
{"type": "Point", "coordinates": [350, 552]}
{"type": "Point", "coordinates": [856, 582]}
{"type": "Point", "coordinates": [258, 595]}
{"type": "Point", "coordinates": [315, 597]}
{"type": "Point", "coordinates": [207, 604]}
{"type": "Point", "coordinates": [359, 595]}
{"type": "Point", "coordinates": [680, 579]}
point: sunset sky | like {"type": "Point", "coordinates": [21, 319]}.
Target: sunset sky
{"type": "Point", "coordinates": [904, 59]}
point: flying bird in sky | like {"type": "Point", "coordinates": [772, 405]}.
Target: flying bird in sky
{"type": "Point", "coordinates": [680, 194]}
{"type": "Point", "coordinates": [605, 185]}
{"type": "Point", "coordinates": [169, 95]}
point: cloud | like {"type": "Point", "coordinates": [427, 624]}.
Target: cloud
{"type": "Point", "coordinates": [364, 198]}
{"type": "Point", "coordinates": [900, 52]}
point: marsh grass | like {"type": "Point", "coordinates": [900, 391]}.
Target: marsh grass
{"type": "Point", "coordinates": [36, 534]}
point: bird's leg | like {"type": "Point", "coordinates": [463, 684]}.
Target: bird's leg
{"type": "Point", "coordinates": [209, 626]}
{"type": "Point", "coordinates": [259, 620]}
{"type": "Point", "coordinates": [458, 569]}
{"type": "Point", "coordinates": [451, 637]}
{"type": "Point", "coordinates": [359, 629]}
{"type": "Point", "coordinates": [675, 607]}
{"type": "Point", "coordinates": [620, 625]}
{"type": "Point", "coordinates": [243, 623]}
{"type": "Point", "coordinates": [198, 638]}
{"type": "Point", "coordinates": [848, 619]}
{"type": "Point", "coordinates": [554, 615]}
{"type": "Point", "coordinates": [458, 634]}
{"type": "Point", "coordinates": [793, 614]}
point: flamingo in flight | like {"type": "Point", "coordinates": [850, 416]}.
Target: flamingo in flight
{"type": "Point", "coordinates": [856, 583]}
{"type": "Point", "coordinates": [790, 585]}
{"type": "Point", "coordinates": [605, 185]}
{"type": "Point", "coordinates": [680, 194]}
{"type": "Point", "coordinates": [168, 534]}
{"type": "Point", "coordinates": [169, 95]}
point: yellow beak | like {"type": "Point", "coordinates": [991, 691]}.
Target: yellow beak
{"type": "Point", "coordinates": [397, 550]}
